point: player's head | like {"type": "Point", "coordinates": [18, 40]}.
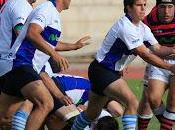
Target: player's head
{"type": "Point", "coordinates": [127, 3]}
{"type": "Point", "coordinates": [165, 10]}
{"type": "Point", "coordinates": [106, 123]}
{"type": "Point", "coordinates": [31, 1]}
{"type": "Point", "coordinates": [135, 8]}
{"type": "Point", "coordinates": [61, 4]}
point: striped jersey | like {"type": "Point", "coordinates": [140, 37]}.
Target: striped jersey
{"type": "Point", "coordinates": [116, 50]}
{"type": "Point", "coordinates": [164, 33]}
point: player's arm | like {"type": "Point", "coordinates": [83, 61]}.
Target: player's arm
{"type": "Point", "coordinates": [63, 46]}
{"type": "Point", "coordinates": [162, 51]}
{"type": "Point", "coordinates": [34, 35]}
{"type": "Point", "coordinates": [151, 58]}
{"type": "Point", "coordinates": [54, 90]}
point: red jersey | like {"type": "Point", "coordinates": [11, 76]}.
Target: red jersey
{"type": "Point", "coordinates": [164, 33]}
{"type": "Point", "coordinates": [2, 2]}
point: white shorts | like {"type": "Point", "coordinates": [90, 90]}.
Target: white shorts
{"type": "Point", "coordinates": [152, 72]}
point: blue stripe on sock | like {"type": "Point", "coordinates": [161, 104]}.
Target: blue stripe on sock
{"type": "Point", "coordinates": [129, 122]}
{"type": "Point", "coordinates": [81, 122]}
{"type": "Point", "coordinates": [19, 120]}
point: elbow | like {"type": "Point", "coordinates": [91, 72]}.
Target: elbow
{"type": "Point", "coordinates": [29, 35]}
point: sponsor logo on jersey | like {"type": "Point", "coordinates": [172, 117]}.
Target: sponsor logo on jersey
{"type": "Point", "coordinates": [135, 41]}
{"type": "Point", "coordinates": [53, 37]}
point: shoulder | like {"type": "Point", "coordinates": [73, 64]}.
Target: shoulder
{"type": "Point", "coordinates": [126, 26]}
{"type": "Point", "coordinates": [46, 9]}
{"type": "Point", "coordinates": [20, 4]}
{"type": "Point", "coordinates": [145, 27]}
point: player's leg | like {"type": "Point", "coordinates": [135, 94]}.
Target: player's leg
{"type": "Point", "coordinates": [37, 93]}
{"type": "Point", "coordinates": [8, 106]}
{"type": "Point", "coordinates": [20, 117]}
{"type": "Point", "coordinates": [95, 105]}
{"type": "Point", "coordinates": [24, 82]}
{"type": "Point", "coordinates": [156, 90]}
{"type": "Point", "coordinates": [115, 108]}
{"type": "Point", "coordinates": [144, 112]}
{"type": "Point", "coordinates": [120, 90]}
{"type": "Point", "coordinates": [168, 118]}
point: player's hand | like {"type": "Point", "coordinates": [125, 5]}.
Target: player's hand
{"type": "Point", "coordinates": [81, 108]}
{"type": "Point", "coordinates": [82, 42]}
{"type": "Point", "coordinates": [66, 100]}
{"type": "Point", "coordinates": [61, 62]}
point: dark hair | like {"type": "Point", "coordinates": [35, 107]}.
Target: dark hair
{"type": "Point", "coordinates": [126, 3]}
{"type": "Point", "coordinates": [107, 123]}
{"type": "Point", "coordinates": [165, 2]}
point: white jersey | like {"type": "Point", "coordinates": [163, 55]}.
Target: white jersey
{"type": "Point", "coordinates": [14, 12]}
{"type": "Point", "coordinates": [46, 16]}
{"type": "Point", "coordinates": [116, 50]}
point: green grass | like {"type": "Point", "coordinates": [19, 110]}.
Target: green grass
{"type": "Point", "coordinates": [137, 88]}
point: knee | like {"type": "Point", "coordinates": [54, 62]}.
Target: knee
{"type": "Point", "coordinates": [133, 102]}
{"type": "Point", "coordinates": [117, 112]}
{"type": "Point", "coordinates": [46, 104]}
{"type": "Point", "coordinates": [154, 101]}
{"type": "Point", "coordinates": [27, 103]}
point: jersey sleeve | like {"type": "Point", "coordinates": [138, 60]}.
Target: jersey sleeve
{"type": "Point", "coordinates": [42, 18]}
{"type": "Point", "coordinates": [20, 13]}
{"type": "Point", "coordinates": [130, 37]}
{"type": "Point", "coordinates": [149, 37]}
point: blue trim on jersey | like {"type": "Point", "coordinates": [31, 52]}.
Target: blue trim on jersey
{"type": "Point", "coordinates": [70, 83]}
{"type": "Point", "coordinates": [53, 2]}
{"type": "Point", "coordinates": [27, 50]}
{"type": "Point", "coordinates": [43, 69]}
{"type": "Point", "coordinates": [129, 17]}
{"type": "Point", "coordinates": [24, 54]}
{"type": "Point", "coordinates": [51, 35]}
{"type": "Point", "coordinates": [115, 54]}
{"type": "Point", "coordinates": [147, 44]}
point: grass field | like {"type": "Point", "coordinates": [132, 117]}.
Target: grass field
{"type": "Point", "coordinates": [136, 86]}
